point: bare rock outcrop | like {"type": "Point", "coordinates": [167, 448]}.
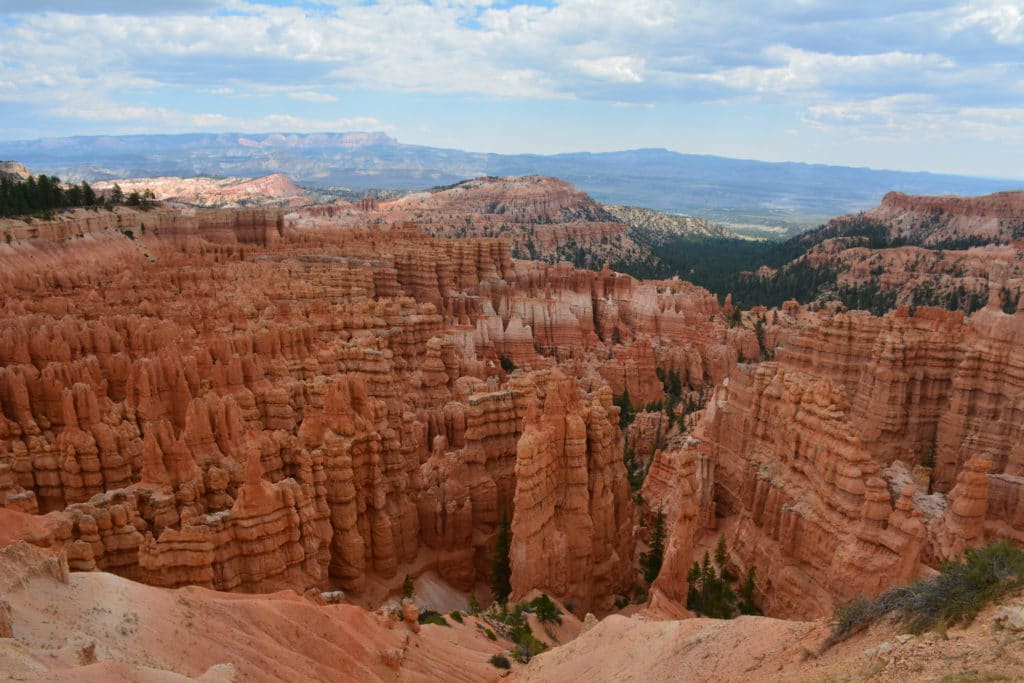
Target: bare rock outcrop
{"type": "Point", "coordinates": [800, 447]}
{"type": "Point", "coordinates": [573, 521]}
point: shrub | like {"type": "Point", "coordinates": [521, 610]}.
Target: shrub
{"type": "Point", "coordinates": [528, 648]}
{"type": "Point", "coordinates": [956, 595]}
{"type": "Point", "coordinates": [474, 604]}
{"type": "Point", "coordinates": [506, 364]}
{"type": "Point", "coordinates": [518, 626]}
{"type": "Point", "coordinates": [407, 587]}
{"type": "Point", "coordinates": [545, 609]}
{"type": "Point", "coordinates": [431, 617]}
{"type": "Point", "coordinates": [456, 615]}
{"type": "Point", "coordinates": [501, 662]}
{"type": "Point", "coordinates": [490, 634]}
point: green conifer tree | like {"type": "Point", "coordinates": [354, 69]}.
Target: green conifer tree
{"type": "Point", "coordinates": [501, 570]}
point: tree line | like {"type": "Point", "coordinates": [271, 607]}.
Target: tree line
{"type": "Point", "coordinates": [43, 194]}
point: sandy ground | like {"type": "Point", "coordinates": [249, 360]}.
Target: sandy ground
{"type": "Point", "coordinates": [773, 650]}
{"type": "Point", "coordinates": [102, 628]}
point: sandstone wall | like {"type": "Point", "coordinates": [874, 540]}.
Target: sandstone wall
{"type": "Point", "coordinates": [825, 454]}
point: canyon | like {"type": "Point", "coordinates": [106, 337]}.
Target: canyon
{"type": "Point", "coordinates": [272, 415]}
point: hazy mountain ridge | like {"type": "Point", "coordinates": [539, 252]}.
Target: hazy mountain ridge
{"type": "Point", "coordinates": [731, 191]}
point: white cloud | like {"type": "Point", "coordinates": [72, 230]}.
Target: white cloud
{"type": "Point", "coordinates": [919, 118]}
{"type": "Point", "coordinates": [1003, 20]}
{"type": "Point", "coordinates": [876, 66]}
{"type": "Point", "coordinates": [617, 69]}
{"type": "Point", "coordinates": [176, 120]}
{"type": "Point", "coordinates": [296, 124]}
{"type": "Point", "coordinates": [805, 70]}
{"type": "Point", "coordinates": [312, 96]}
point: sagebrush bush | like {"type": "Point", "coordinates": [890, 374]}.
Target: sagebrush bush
{"type": "Point", "coordinates": [956, 595]}
{"type": "Point", "coordinates": [431, 617]}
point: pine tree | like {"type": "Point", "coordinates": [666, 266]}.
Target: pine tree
{"type": "Point", "coordinates": [693, 592]}
{"type": "Point", "coordinates": [74, 195]}
{"type": "Point", "coordinates": [29, 194]}
{"type": "Point", "coordinates": [88, 195]}
{"type": "Point", "coordinates": [746, 599]}
{"type": "Point", "coordinates": [675, 386]}
{"type": "Point", "coordinates": [722, 558]}
{"type": "Point", "coordinates": [501, 571]}
{"type": "Point", "coordinates": [652, 560]}
{"type": "Point", "coordinates": [710, 594]}
{"type": "Point", "coordinates": [625, 409]}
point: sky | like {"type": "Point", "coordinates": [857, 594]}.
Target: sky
{"type": "Point", "coordinates": [901, 84]}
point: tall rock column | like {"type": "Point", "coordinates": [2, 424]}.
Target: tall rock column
{"type": "Point", "coordinates": [572, 519]}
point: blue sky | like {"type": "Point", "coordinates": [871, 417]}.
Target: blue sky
{"type": "Point", "coordinates": [913, 85]}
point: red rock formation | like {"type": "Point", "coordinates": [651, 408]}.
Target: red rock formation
{"type": "Point", "coordinates": [929, 220]}
{"type": "Point", "coordinates": [543, 218]}
{"type": "Point", "coordinates": [573, 521]}
{"type": "Point", "coordinates": [142, 379]}
{"type": "Point", "coordinates": [800, 448]}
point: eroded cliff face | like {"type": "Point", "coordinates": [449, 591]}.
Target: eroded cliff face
{"type": "Point", "coordinates": [224, 400]}
{"type": "Point", "coordinates": [957, 279]}
{"type": "Point", "coordinates": [909, 251]}
{"type": "Point", "coordinates": [932, 220]}
{"type": "Point", "coordinates": [228, 400]}
{"type": "Point", "coordinates": [572, 529]}
{"type": "Point", "coordinates": [825, 457]}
